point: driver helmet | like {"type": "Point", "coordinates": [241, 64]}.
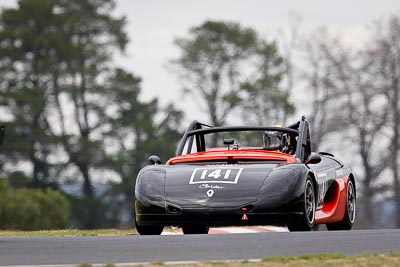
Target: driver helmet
{"type": "Point", "coordinates": [273, 140]}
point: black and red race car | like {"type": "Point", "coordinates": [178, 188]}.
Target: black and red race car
{"type": "Point", "coordinates": [245, 175]}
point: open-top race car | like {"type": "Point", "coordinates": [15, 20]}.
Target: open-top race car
{"type": "Point", "coordinates": [245, 175]}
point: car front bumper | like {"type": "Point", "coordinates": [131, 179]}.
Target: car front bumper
{"type": "Point", "coordinates": [215, 216]}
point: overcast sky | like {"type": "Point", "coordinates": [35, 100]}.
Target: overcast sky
{"type": "Point", "coordinates": [153, 25]}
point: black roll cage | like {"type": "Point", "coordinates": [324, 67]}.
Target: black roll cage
{"type": "Point", "coordinates": [195, 131]}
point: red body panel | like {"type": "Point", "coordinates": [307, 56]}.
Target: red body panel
{"type": "Point", "coordinates": [334, 204]}
{"type": "Point", "coordinates": [221, 154]}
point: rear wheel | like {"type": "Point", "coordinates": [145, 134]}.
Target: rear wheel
{"type": "Point", "coordinates": [306, 222]}
{"type": "Point", "coordinates": [190, 230]}
{"type": "Point", "coordinates": [350, 211]}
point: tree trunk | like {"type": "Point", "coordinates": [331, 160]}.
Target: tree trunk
{"type": "Point", "coordinates": [35, 173]}
{"type": "Point", "coordinates": [34, 160]}
{"type": "Point", "coordinates": [369, 218]}
{"type": "Point", "coordinates": [396, 148]}
{"type": "Point", "coordinates": [87, 183]}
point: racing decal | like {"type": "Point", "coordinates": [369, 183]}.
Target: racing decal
{"type": "Point", "coordinates": [339, 173]}
{"type": "Point", "coordinates": [323, 186]}
{"type": "Point", "coordinates": [216, 176]}
{"type": "Point", "coordinates": [210, 186]}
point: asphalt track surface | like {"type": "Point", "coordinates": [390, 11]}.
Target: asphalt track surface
{"type": "Point", "coordinates": [141, 249]}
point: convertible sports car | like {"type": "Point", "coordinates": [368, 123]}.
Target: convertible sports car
{"type": "Point", "coordinates": [245, 175]}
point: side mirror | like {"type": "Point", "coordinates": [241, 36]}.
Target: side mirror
{"type": "Point", "coordinates": [313, 159]}
{"type": "Point", "coordinates": [154, 160]}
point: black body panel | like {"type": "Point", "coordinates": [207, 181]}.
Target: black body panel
{"type": "Point", "coordinates": [271, 193]}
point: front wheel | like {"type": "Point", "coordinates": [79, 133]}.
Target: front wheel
{"type": "Point", "coordinates": [306, 222]}
{"type": "Point", "coordinates": [350, 210]}
{"type": "Point", "coordinates": [149, 230]}
{"type": "Point", "coordinates": [190, 230]}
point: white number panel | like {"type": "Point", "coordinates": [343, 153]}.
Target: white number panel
{"type": "Point", "coordinates": [227, 175]}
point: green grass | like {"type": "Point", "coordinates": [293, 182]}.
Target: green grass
{"type": "Point", "coordinates": [317, 260]}
{"type": "Point", "coordinates": [67, 233]}
{"type": "Point", "coordinates": [328, 260]}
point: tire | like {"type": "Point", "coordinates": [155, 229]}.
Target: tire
{"type": "Point", "coordinates": [306, 221]}
{"type": "Point", "coordinates": [350, 210]}
{"type": "Point", "coordinates": [191, 230]}
{"type": "Point", "coordinates": [149, 230]}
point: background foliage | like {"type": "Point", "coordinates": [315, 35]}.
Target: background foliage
{"type": "Point", "coordinates": [28, 209]}
{"type": "Point", "coordinates": [70, 114]}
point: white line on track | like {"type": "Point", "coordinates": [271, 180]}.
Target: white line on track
{"type": "Point", "coordinates": [233, 230]}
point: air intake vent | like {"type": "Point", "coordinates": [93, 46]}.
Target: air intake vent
{"type": "Point", "coordinates": [174, 209]}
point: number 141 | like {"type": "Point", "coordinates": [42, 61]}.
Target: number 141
{"type": "Point", "coordinates": [215, 174]}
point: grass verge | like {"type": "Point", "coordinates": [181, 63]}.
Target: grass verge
{"type": "Point", "coordinates": [67, 233]}
{"type": "Point", "coordinates": [317, 260]}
